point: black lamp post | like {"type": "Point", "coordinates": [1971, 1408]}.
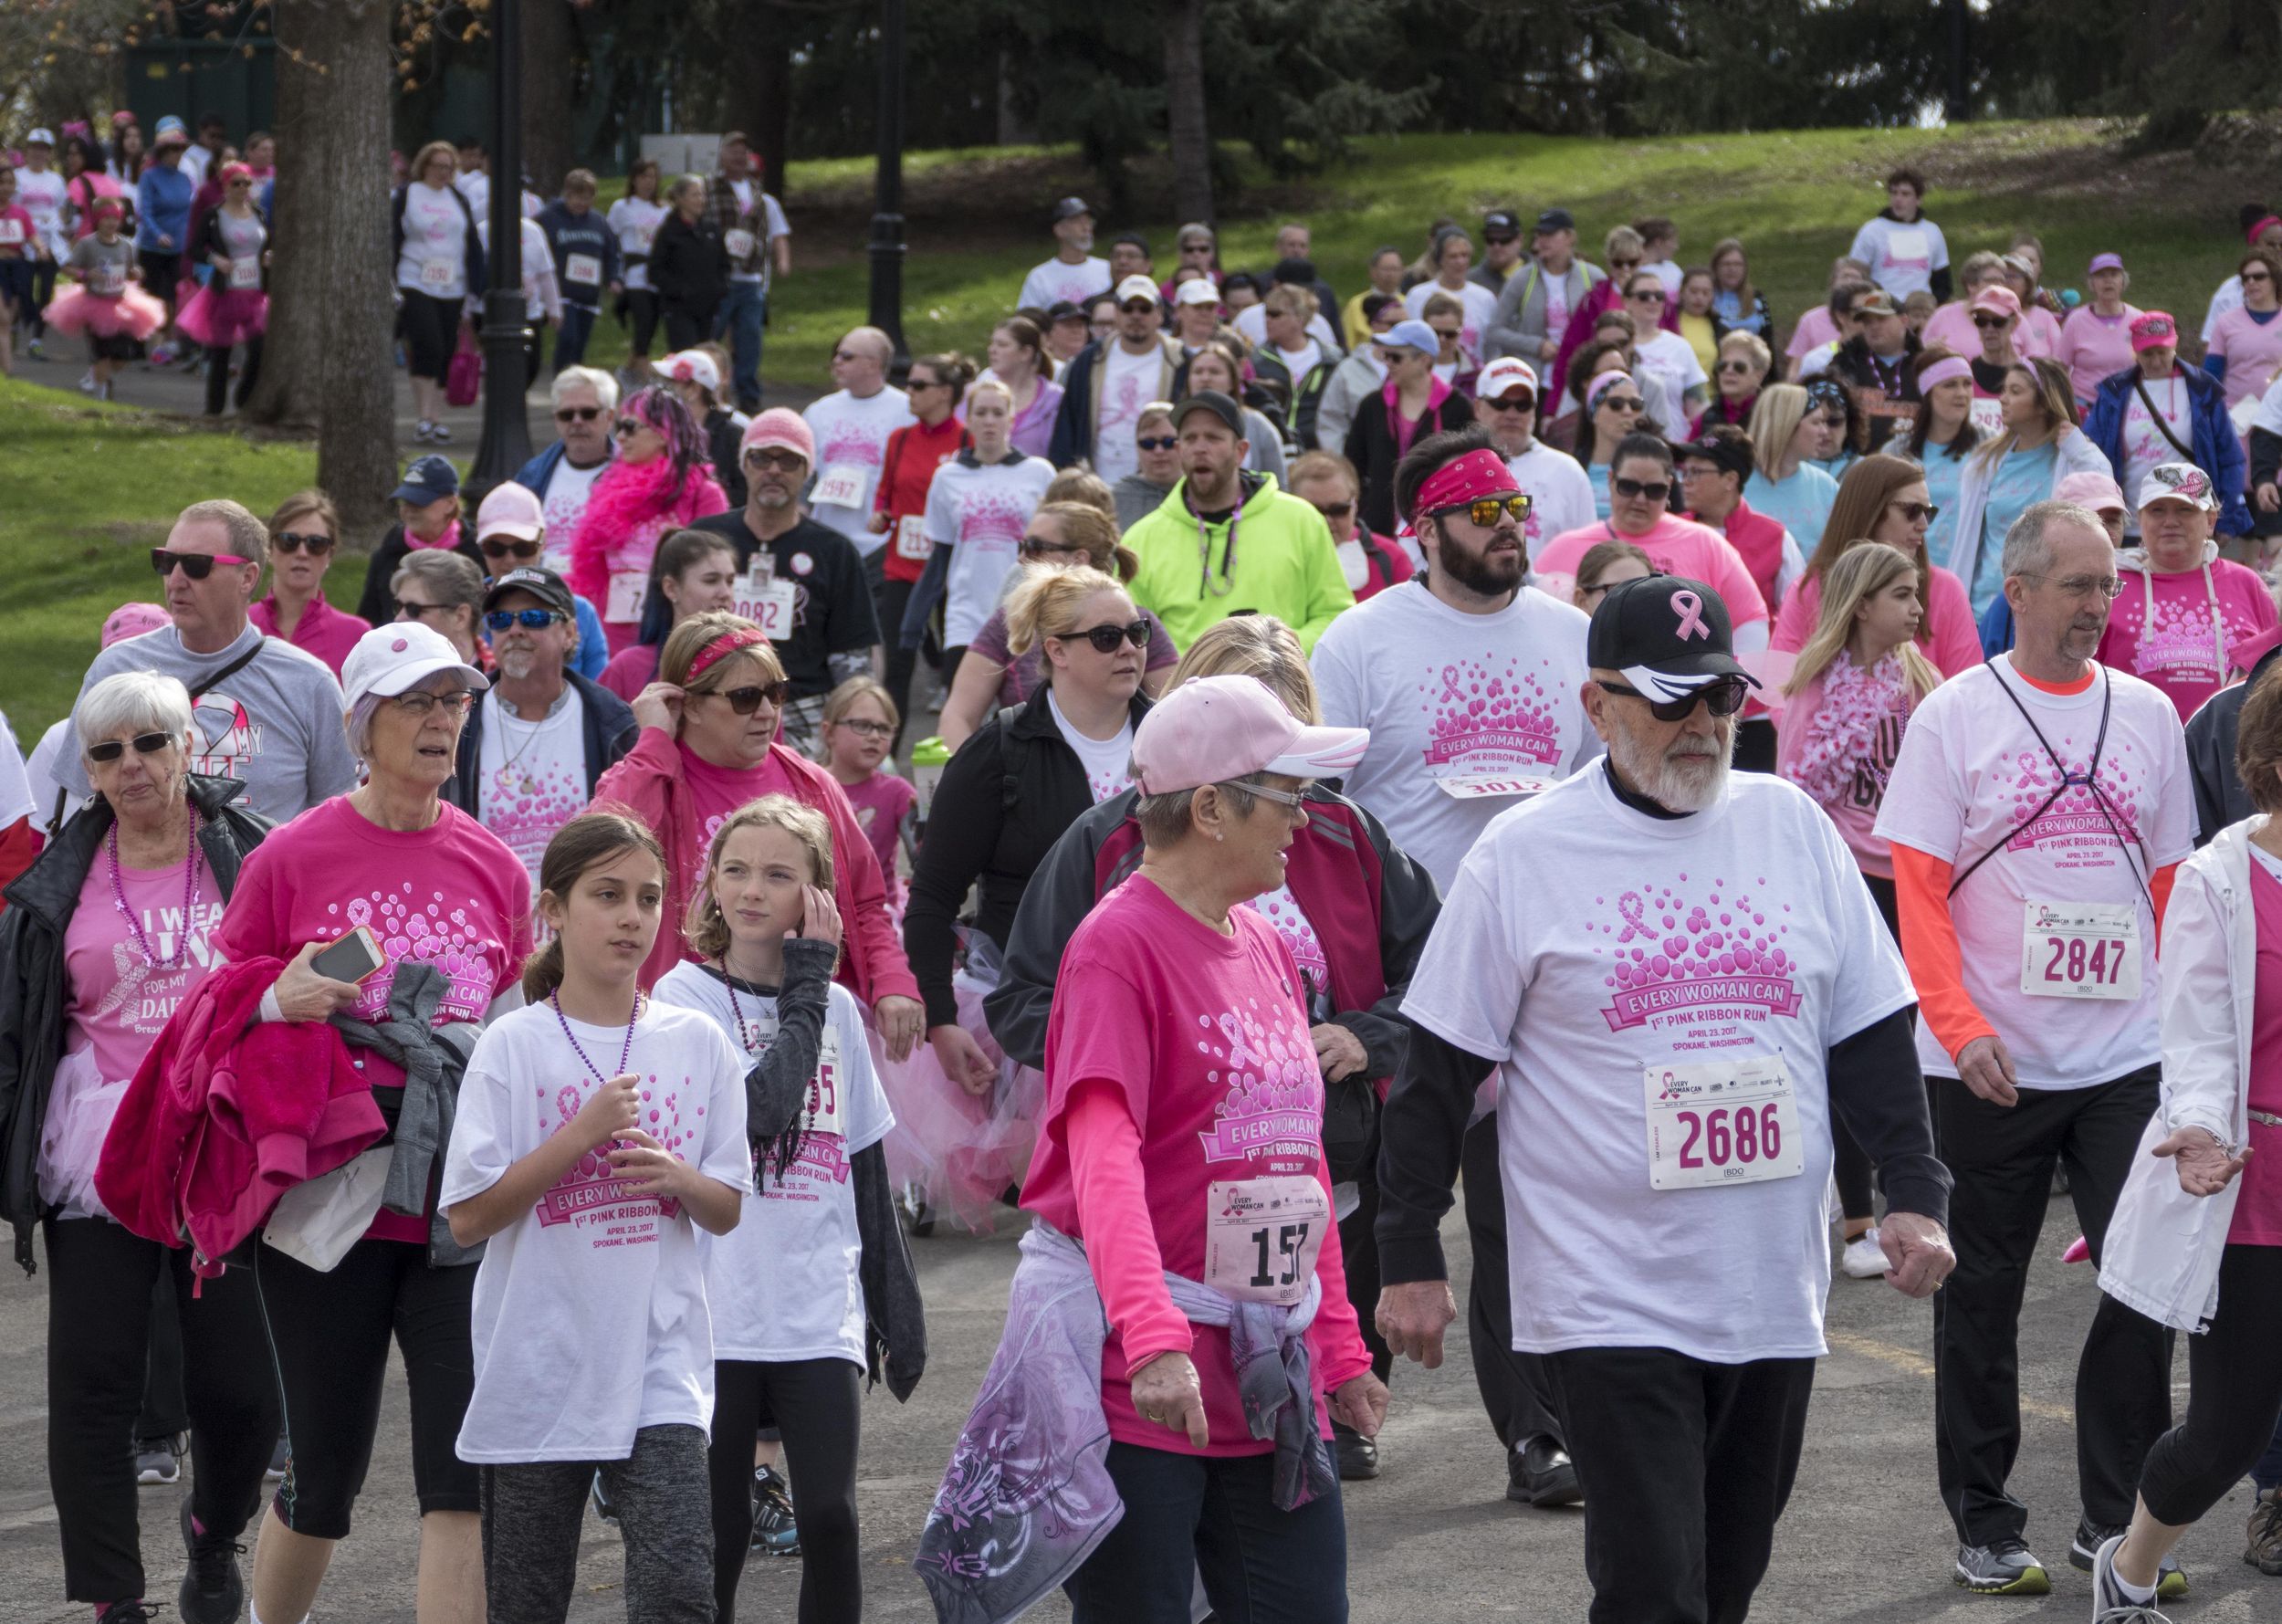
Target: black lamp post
{"type": "Point", "coordinates": [506, 445]}
{"type": "Point", "coordinates": [887, 217]}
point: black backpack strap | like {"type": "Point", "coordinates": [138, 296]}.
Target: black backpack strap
{"type": "Point", "coordinates": [207, 685]}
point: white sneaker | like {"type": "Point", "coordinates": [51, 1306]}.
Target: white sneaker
{"type": "Point", "coordinates": [86, 383]}
{"type": "Point", "coordinates": [422, 431]}
{"type": "Point", "coordinates": [1862, 1259]}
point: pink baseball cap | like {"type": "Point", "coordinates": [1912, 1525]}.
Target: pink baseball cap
{"type": "Point", "coordinates": [511, 510]}
{"type": "Point", "coordinates": [1501, 375]}
{"type": "Point", "coordinates": [1211, 730]}
{"type": "Point", "coordinates": [782, 428]}
{"type": "Point", "coordinates": [1998, 299]}
{"type": "Point", "coordinates": [2153, 330]}
{"type": "Point", "coordinates": [132, 620]}
{"type": "Point", "coordinates": [2096, 491]}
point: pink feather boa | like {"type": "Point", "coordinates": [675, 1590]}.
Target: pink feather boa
{"type": "Point", "coordinates": [1854, 700]}
{"type": "Point", "coordinates": [631, 507]}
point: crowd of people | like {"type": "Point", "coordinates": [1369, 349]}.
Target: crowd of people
{"type": "Point", "coordinates": [1494, 732]}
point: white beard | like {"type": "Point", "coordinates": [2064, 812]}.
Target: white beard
{"type": "Point", "coordinates": [1682, 784]}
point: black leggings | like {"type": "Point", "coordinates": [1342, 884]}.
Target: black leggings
{"type": "Point", "coordinates": [218, 375]}
{"type": "Point", "coordinates": [2233, 1392]}
{"type": "Point", "coordinates": [99, 1282]}
{"type": "Point", "coordinates": [431, 329]}
{"type": "Point", "coordinates": [687, 327]}
{"type": "Point", "coordinates": [331, 1334]}
{"type": "Point", "coordinates": [817, 1407]}
{"type": "Point", "coordinates": [642, 304]}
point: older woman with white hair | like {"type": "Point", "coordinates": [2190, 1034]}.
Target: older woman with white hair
{"type": "Point", "coordinates": [103, 935]}
{"type": "Point", "coordinates": [439, 909]}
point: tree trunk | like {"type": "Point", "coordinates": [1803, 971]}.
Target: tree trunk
{"type": "Point", "coordinates": [549, 109]}
{"type": "Point", "coordinates": [326, 363]}
{"type": "Point", "coordinates": [759, 94]}
{"type": "Point", "coordinates": [1189, 140]}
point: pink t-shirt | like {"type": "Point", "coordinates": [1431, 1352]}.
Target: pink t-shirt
{"type": "Point", "coordinates": [1815, 329]}
{"type": "Point", "coordinates": [630, 670]}
{"type": "Point", "coordinates": [2259, 1209]}
{"type": "Point", "coordinates": [882, 803]}
{"type": "Point", "coordinates": [1948, 637]}
{"type": "Point", "coordinates": [2183, 641]}
{"type": "Point", "coordinates": [323, 631]}
{"type": "Point", "coordinates": [1677, 545]}
{"type": "Point", "coordinates": [120, 1000]}
{"type": "Point", "coordinates": [18, 232]}
{"type": "Point", "coordinates": [717, 792]}
{"type": "Point", "coordinates": [2036, 334]}
{"type": "Point", "coordinates": [1206, 1039]}
{"type": "Point", "coordinates": [2253, 350]}
{"type": "Point", "coordinates": [2094, 348]}
{"type": "Point", "coordinates": [1837, 739]}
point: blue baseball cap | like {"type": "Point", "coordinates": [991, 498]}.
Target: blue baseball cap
{"type": "Point", "coordinates": [429, 479]}
{"type": "Point", "coordinates": [1414, 333]}
{"type": "Point", "coordinates": [170, 127]}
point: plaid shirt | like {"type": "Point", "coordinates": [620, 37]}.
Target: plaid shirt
{"type": "Point", "coordinates": [721, 205]}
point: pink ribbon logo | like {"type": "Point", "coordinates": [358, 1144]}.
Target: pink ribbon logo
{"type": "Point", "coordinates": [1631, 907]}
{"type": "Point", "coordinates": [1690, 607]}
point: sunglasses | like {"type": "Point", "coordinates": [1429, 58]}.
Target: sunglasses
{"type": "Point", "coordinates": [110, 749]}
{"type": "Point", "coordinates": [1646, 296]}
{"type": "Point", "coordinates": [1624, 402]}
{"type": "Point", "coordinates": [1723, 697]}
{"type": "Point", "coordinates": [1039, 547]}
{"type": "Point", "coordinates": [2256, 276]}
{"type": "Point", "coordinates": [511, 547]}
{"type": "Point", "coordinates": [1989, 323]}
{"type": "Point", "coordinates": [1508, 403]}
{"type": "Point", "coordinates": [783, 461]}
{"type": "Point", "coordinates": [419, 703]}
{"type": "Point", "coordinates": [1484, 510]}
{"type": "Point", "coordinates": [1334, 509]}
{"type": "Point", "coordinates": [747, 700]}
{"type": "Point", "coordinates": [924, 383]}
{"type": "Point", "coordinates": [408, 611]}
{"type": "Point", "coordinates": [293, 542]}
{"type": "Point", "coordinates": [530, 620]}
{"type": "Point", "coordinates": [1622, 265]}
{"type": "Point", "coordinates": [1291, 802]}
{"type": "Point", "coordinates": [196, 565]}
{"type": "Point", "coordinates": [1735, 365]}
{"type": "Point", "coordinates": [1914, 511]}
{"type": "Point", "coordinates": [628, 425]}
{"type": "Point", "coordinates": [577, 414]}
{"type": "Point", "coordinates": [1156, 441]}
{"type": "Point", "coordinates": [1633, 488]}
{"type": "Point", "coordinates": [1135, 307]}
{"type": "Point", "coordinates": [1106, 639]}
{"type": "Point", "coordinates": [1448, 335]}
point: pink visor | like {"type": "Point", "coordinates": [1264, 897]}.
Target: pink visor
{"type": "Point", "coordinates": [1213, 729]}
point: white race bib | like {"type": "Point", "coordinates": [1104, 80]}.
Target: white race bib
{"type": "Point", "coordinates": [107, 281]}
{"type": "Point", "coordinates": [626, 589]}
{"type": "Point", "coordinates": [1721, 1122]}
{"type": "Point", "coordinates": [911, 538]}
{"type": "Point", "coordinates": [824, 1112]}
{"type": "Point", "coordinates": [582, 269]}
{"type": "Point", "coordinates": [1987, 416]}
{"type": "Point", "coordinates": [245, 274]}
{"type": "Point", "coordinates": [739, 241]}
{"type": "Point", "coordinates": [11, 233]}
{"type": "Point", "coordinates": [1261, 1237]}
{"type": "Point", "coordinates": [769, 604]}
{"type": "Point", "coordinates": [1512, 781]}
{"type": "Point", "coordinates": [1909, 246]}
{"type": "Point", "coordinates": [2080, 949]}
{"type": "Point", "coordinates": [840, 484]}
{"type": "Point", "coordinates": [437, 275]}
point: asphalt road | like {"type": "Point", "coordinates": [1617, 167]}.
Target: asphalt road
{"type": "Point", "coordinates": [1432, 1539]}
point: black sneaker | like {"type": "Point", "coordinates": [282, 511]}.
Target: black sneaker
{"type": "Point", "coordinates": [2001, 1567]}
{"type": "Point", "coordinates": [1539, 1472]}
{"type": "Point", "coordinates": [129, 1613]}
{"type": "Point", "coordinates": [211, 1591]}
{"type": "Point", "coordinates": [604, 1507]}
{"type": "Point", "coordinates": [159, 1460]}
{"type": "Point", "coordinates": [1357, 1455]}
{"type": "Point", "coordinates": [775, 1532]}
{"type": "Point", "coordinates": [2171, 1582]}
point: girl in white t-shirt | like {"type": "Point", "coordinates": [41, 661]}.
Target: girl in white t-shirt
{"type": "Point", "coordinates": [787, 1288]}
{"type": "Point", "coordinates": [597, 1132]}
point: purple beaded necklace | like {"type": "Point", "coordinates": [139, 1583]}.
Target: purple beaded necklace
{"type": "Point", "coordinates": [625, 1050]}
{"type": "Point", "coordinates": [750, 1041]}
{"type": "Point", "coordinates": [191, 865]}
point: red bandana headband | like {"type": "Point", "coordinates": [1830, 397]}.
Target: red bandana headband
{"type": "Point", "coordinates": [1462, 480]}
{"type": "Point", "coordinates": [722, 648]}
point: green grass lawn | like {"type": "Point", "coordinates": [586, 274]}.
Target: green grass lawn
{"type": "Point", "coordinates": [89, 488]}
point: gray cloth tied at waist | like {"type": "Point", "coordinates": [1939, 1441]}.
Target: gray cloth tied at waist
{"type": "Point", "coordinates": [435, 1059]}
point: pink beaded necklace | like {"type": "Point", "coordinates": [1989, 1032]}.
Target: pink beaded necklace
{"type": "Point", "coordinates": [191, 865]}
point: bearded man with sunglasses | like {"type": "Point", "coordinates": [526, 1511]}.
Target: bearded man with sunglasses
{"type": "Point", "coordinates": [262, 710]}
{"type": "Point", "coordinates": [1677, 978]}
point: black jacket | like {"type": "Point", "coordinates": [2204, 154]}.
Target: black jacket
{"type": "Point", "coordinates": [1371, 448]}
{"type": "Point", "coordinates": [723, 437]}
{"type": "Point", "coordinates": [376, 607]}
{"type": "Point", "coordinates": [33, 993]}
{"type": "Point", "coordinates": [606, 725]}
{"type": "Point", "coordinates": [1005, 798]}
{"type": "Point", "coordinates": [2220, 798]}
{"type": "Point", "coordinates": [689, 265]}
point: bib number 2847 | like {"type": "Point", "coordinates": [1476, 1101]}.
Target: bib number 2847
{"type": "Point", "coordinates": [2080, 949]}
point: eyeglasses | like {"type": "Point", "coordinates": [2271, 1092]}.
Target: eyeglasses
{"type": "Point", "coordinates": [2083, 586]}
{"type": "Point", "coordinates": [236, 184]}
{"type": "Point", "coordinates": [1723, 697]}
{"type": "Point", "coordinates": [785, 461]}
{"type": "Point", "coordinates": [1507, 403]}
{"type": "Point", "coordinates": [530, 620]}
{"type": "Point", "coordinates": [628, 425]}
{"type": "Point", "coordinates": [747, 700]}
{"type": "Point", "coordinates": [1157, 442]}
{"type": "Point", "coordinates": [1737, 364]}
{"type": "Point", "coordinates": [495, 547]}
{"type": "Point", "coordinates": [110, 749]}
{"type": "Point", "coordinates": [1293, 801]}
{"type": "Point", "coordinates": [409, 611]}
{"type": "Point", "coordinates": [577, 414]}
{"type": "Point", "coordinates": [1625, 403]}
{"type": "Point", "coordinates": [1989, 323]}
{"type": "Point", "coordinates": [1484, 510]}
{"type": "Point", "coordinates": [1334, 509]}
{"type": "Point", "coordinates": [294, 542]}
{"type": "Point", "coordinates": [196, 565]}
{"type": "Point", "coordinates": [1635, 489]}
{"type": "Point", "coordinates": [1106, 639]}
{"type": "Point", "coordinates": [866, 730]}
{"type": "Point", "coordinates": [1039, 547]}
{"type": "Point", "coordinates": [1914, 511]}
{"type": "Point", "coordinates": [419, 703]}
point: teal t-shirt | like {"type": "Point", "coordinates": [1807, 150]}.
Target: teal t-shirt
{"type": "Point", "coordinates": [2023, 478]}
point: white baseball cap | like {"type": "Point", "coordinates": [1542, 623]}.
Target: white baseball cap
{"type": "Point", "coordinates": [511, 510]}
{"type": "Point", "coordinates": [1197, 290]}
{"type": "Point", "coordinates": [1136, 287]}
{"type": "Point", "coordinates": [388, 660]}
{"type": "Point", "coordinates": [1502, 375]}
{"type": "Point", "coordinates": [42, 137]}
{"type": "Point", "coordinates": [692, 366]}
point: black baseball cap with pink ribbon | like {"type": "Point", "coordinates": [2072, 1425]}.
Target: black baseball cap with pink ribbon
{"type": "Point", "coordinates": [1667, 634]}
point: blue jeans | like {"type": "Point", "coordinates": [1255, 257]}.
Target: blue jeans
{"type": "Point", "coordinates": [578, 326]}
{"type": "Point", "coordinates": [740, 311]}
{"type": "Point", "coordinates": [1190, 1514]}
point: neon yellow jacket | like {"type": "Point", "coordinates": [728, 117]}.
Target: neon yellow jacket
{"type": "Point", "coordinates": [1285, 564]}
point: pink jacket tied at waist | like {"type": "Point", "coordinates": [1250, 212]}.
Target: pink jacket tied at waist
{"type": "Point", "coordinates": [226, 1114]}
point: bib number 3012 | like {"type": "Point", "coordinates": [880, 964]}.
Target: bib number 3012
{"type": "Point", "coordinates": [1721, 1122]}
{"type": "Point", "coordinates": [1263, 1235]}
{"type": "Point", "coordinates": [2080, 949]}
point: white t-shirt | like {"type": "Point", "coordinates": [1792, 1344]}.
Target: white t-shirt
{"type": "Point", "coordinates": [1560, 491]}
{"type": "Point", "coordinates": [15, 785]}
{"type": "Point", "coordinates": [637, 220]}
{"type": "Point", "coordinates": [564, 504]}
{"type": "Point", "coordinates": [1590, 948]}
{"type": "Point", "coordinates": [542, 294]}
{"type": "Point", "coordinates": [196, 160]}
{"type": "Point", "coordinates": [851, 441]}
{"type": "Point", "coordinates": [436, 233]}
{"type": "Point", "coordinates": [1301, 362]}
{"type": "Point", "coordinates": [531, 776]}
{"type": "Point", "coordinates": [1902, 259]}
{"type": "Point", "coordinates": [1251, 322]}
{"type": "Point", "coordinates": [1108, 762]}
{"type": "Point", "coordinates": [1481, 304]}
{"type": "Point", "coordinates": [1668, 272]}
{"type": "Point", "coordinates": [1969, 771]}
{"type": "Point", "coordinates": [1129, 382]}
{"type": "Point", "coordinates": [1052, 282]}
{"type": "Point", "coordinates": [980, 511]}
{"type": "Point", "coordinates": [39, 772]}
{"type": "Point", "coordinates": [784, 1283]}
{"type": "Point", "coordinates": [2144, 445]}
{"type": "Point", "coordinates": [589, 1318]}
{"type": "Point", "coordinates": [1672, 360]}
{"type": "Point", "coordinates": [1467, 712]}
{"type": "Point", "coordinates": [43, 194]}
{"type": "Point", "coordinates": [2228, 295]}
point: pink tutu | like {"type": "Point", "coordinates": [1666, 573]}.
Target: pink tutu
{"type": "Point", "coordinates": [961, 1149]}
{"type": "Point", "coordinates": [219, 316]}
{"type": "Point", "coordinates": [133, 314]}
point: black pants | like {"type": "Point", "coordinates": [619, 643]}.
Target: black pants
{"type": "Point", "coordinates": [1850, 1164]}
{"type": "Point", "coordinates": [687, 328]}
{"type": "Point", "coordinates": [1191, 1514]}
{"type": "Point", "coordinates": [2002, 1158]}
{"type": "Point", "coordinates": [2233, 1392]}
{"type": "Point", "coordinates": [42, 290]}
{"type": "Point", "coordinates": [642, 304]}
{"type": "Point", "coordinates": [431, 330]}
{"type": "Point", "coordinates": [218, 375]}
{"type": "Point", "coordinates": [1358, 1252]}
{"type": "Point", "coordinates": [817, 1409]}
{"type": "Point", "coordinates": [889, 597]}
{"type": "Point", "coordinates": [1686, 1466]}
{"type": "Point", "coordinates": [331, 1334]}
{"type": "Point", "coordinates": [1515, 1390]}
{"type": "Point", "coordinates": [164, 1411]}
{"type": "Point", "coordinates": [99, 1307]}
